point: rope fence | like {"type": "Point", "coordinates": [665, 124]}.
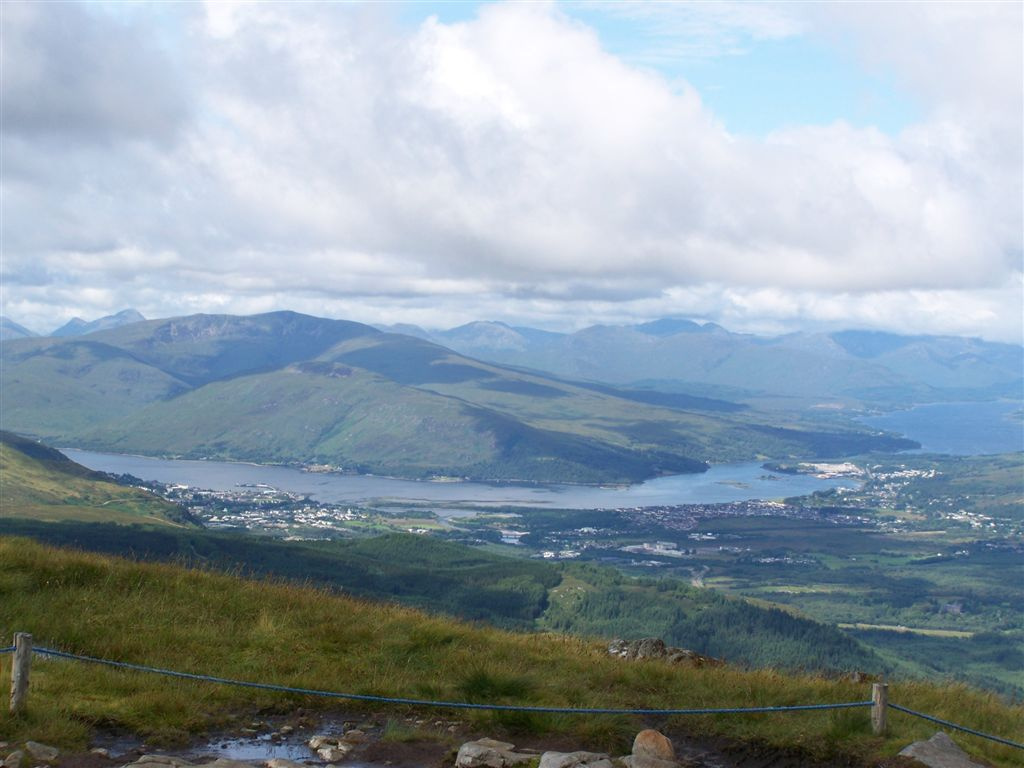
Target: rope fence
{"type": "Point", "coordinates": [963, 728]}
{"type": "Point", "coordinates": [879, 703]}
{"type": "Point", "coordinates": [445, 704]}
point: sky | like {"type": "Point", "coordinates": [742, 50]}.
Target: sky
{"type": "Point", "coordinates": [770, 167]}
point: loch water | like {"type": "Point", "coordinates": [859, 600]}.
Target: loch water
{"type": "Point", "coordinates": [721, 483]}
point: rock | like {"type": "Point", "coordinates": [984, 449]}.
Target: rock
{"type": "Point", "coordinates": [281, 762]}
{"type": "Point", "coordinates": [653, 648]}
{"type": "Point", "coordinates": [334, 753]}
{"type": "Point", "coordinates": [42, 752]}
{"type": "Point", "coordinates": [651, 743]}
{"type": "Point", "coordinates": [939, 751]}
{"type": "Point", "coordinates": [318, 741]}
{"type": "Point", "coordinates": [14, 759]}
{"type": "Point", "coordinates": [495, 744]}
{"type": "Point", "coordinates": [650, 648]}
{"type": "Point", "coordinates": [100, 751]}
{"type": "Point", "coordinates": [355, 736]}
{"type": "Point", "coordinates": [575, 760]}
{"type": "Point", "coordinates": [488, 753]}
{"type": "Point", "coordinates": [287, 729]}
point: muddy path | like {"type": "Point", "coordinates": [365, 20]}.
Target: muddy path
{"type": "Point", "coordinates": [390, 742]}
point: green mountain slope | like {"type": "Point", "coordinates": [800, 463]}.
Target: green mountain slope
{"type": "Point", "coordinates": [291, 388]}
{"type": "Point", "coordinates": [40, 483]}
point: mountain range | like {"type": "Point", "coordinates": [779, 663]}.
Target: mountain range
{"type": "Point", "coordinates": [76, 326]}
{"type": "Point", "coordinates": [680, 355]}
{"type": "Point", "coordinates": [289, 388]}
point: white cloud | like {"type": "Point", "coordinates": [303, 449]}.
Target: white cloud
{"type": "Point", "coordinates": [318, 158]}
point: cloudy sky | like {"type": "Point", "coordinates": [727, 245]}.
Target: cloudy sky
{"type": "Point", "coordinates": [769, 167]}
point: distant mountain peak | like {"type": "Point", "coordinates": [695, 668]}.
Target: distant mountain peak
{"type": "Point", "coordinates": [671, 327]}
{"type": "Point", "coordinates": [76, 326]}
{"type": "Point", "coordinates": [12, 330]}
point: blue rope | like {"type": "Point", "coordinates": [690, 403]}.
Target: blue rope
{"type": "Point", "coordinates": [8, 649]}
{"type": "Point", "coordinates": [446, 704]}
{"type": "Point", "coordinates": [965, 729]}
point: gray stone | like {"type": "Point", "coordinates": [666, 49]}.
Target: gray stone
{"type": "Point", "coordinates": [488, 753]}
{"type": "Point", "coordinates": [42, 752]}
{"type": "Point", "coordinates": [939, 751]}
{"type": "Point", "coordinates": [100, 751]}
{"type": "Point", "coordinates": [654, 648]}
{"type": "Point", "coordinates": [495, 744]}
{"type": "Point", "coordinates": [651, 648]}
{"type": "Point", "coordinates": [574, 760]}
{"type": "Point", "coordinates": [14, 759]}
{"type": "Point", "coordinates": [355, 736]}
{"type": "Point", "coordinates": [319, 741]}
{"type": "Point", "coordinates": [286, 729]}
{"type": "Point", "coordinates": [334, 753]}
{"type": "Point", "coordinates": [161, 760]}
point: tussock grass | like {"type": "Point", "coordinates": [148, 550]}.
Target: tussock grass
{"type": "Point", "coordinates": [212, 623]}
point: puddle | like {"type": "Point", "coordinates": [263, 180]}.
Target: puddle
{"type": "Point", "coordinates": [258, 749]}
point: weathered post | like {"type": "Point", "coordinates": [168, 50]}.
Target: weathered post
{"type": "Point", "coordinates": [19, 671]}
{"type": "Point", "coordinates": [879, 702]}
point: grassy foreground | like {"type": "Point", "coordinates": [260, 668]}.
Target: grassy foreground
{"type": "Point", "coordinates": [222, 625]}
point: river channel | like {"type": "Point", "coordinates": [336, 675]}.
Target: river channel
{"type": "Point", "coordinates": [721, 483]}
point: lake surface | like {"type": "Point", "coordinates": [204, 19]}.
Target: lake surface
{"type": "Point", "coordinates": [960, 429]}
{"type": "Point", "coordinates": [722, 483]}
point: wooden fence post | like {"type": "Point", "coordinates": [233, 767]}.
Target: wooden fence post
{"type": "Point", "coordinates": [20, 663]}
{"type": "Point", "coordinates": [879, 702]}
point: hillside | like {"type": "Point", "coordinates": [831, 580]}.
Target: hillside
{"type": "Point", "coordinates": [218, 624]}
{"type": "Point", "coordinates": [40, 483]}
{"type": "Point", "coordinates": [845, 366]}
{"type": "Point", "coordinates": [290, 388]}
{"type": "Point", "coordinates": [506, 592]}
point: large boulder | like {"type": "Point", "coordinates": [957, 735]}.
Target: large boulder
{"type": "Point", "coordinates": [939, 751]}
{"type": "Point", "coordinates": [651, 743]}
